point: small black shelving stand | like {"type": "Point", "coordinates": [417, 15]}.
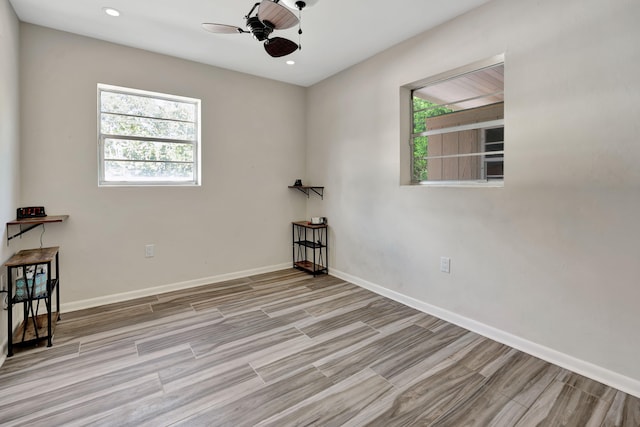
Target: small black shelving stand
{"type": "Point", "coordinates": [35, 326]}
{"type": "Point", "coordinates": [310, 249]}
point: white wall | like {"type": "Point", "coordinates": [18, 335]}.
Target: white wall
{"type": "Point", "coordinates": [9, 136]}
{"type": "Point", "coordinates": [551, 259]}
{"type": "Point", "coordinates": [237, 221]}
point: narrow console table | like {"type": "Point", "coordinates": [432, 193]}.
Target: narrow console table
{"type": "Point", "coordinates": [33, 277]}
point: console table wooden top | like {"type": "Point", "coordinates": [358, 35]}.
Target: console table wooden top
{"type": "Point", "coordinates": [33, 256]}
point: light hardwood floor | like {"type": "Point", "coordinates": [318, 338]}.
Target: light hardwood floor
{"type": "Point", "coordinates": [285, 349]}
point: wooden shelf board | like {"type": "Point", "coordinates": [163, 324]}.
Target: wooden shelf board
{"type": "Point", "coordinates": [307, 224]}
{"type": "Point", "coordinates": [39, 220]}
{"type": "Point", "coordinates": [309, 266]}
{"type": "Point", "coordinates": [27, 224]}
{"type": "Point", "coordinates": [33, 256]}
{"type": "Point", "coordinates": [30, 335]}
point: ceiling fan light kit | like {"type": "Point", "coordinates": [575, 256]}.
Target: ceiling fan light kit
{"type": "Point", "coordinates": [271, 15]}
{"type": "Point", "coordinates": [299, 5]}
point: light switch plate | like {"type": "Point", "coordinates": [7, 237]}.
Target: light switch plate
{"type": "Point", "coordinates": [445, 264]}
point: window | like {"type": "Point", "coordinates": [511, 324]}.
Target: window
{"type": "Point", "coordinates": [457, 130]}
{"type": "Point", "coordinates": [147, 138]}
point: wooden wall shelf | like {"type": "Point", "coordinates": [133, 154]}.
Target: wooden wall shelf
{"type": "Point", "coordinates": [27, 224]}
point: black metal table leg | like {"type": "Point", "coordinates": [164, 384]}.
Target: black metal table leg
{"type": "Point", "coordinates": [58, 286]}
{"type": "Point", "coordinates": [48, 302]}
{"type": "Point", "coordinates": [10, 314]}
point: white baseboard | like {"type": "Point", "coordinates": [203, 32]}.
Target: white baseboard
{"type": "Point", "coordinates": [126, 296]}
{"type": "Point", "coordinates": [595, 372]}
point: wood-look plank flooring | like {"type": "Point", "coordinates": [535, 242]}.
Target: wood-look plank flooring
{"type": "Point", "coordinates": [288, 349]}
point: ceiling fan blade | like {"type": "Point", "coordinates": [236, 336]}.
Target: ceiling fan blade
{"type": "Point", "coordinates": [279, 16]}
{"type": "Point", "coordinates": [222, 28]}
{"type": "Point", "coordinates": [279, 46]}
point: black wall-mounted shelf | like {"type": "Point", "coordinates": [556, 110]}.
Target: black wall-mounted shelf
{"type": "Point", "coordinates": [305, 189]}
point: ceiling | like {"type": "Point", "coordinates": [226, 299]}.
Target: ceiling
{"type": "Point", "coordinates": [336, 33]}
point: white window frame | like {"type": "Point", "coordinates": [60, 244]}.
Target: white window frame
{"type": "Point", "coordinates": [103, 182]}
{"type": "Point", "coordinates": [406, 92]}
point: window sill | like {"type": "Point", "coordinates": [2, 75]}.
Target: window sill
{"type": "Point", "coordinates": [458, 184]}
{"type": "Point", "coordinates": [154, 184]}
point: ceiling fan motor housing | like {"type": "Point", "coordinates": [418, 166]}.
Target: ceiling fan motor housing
{"type": "Point", "coordinates": [259, 29]}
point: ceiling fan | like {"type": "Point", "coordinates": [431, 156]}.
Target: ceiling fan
{"type": "Point", "coordinates": [271, 15]}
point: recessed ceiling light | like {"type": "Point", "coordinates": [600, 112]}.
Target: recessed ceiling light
{"type": "Point", "coordinates": [111, 11]}
{"type": "Point", "coordinates": [291, 62]}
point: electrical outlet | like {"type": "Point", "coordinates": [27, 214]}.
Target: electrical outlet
{"type": "Point", "coordinates": [445, 264]}
{"type": "Point", "coordinates": [149, 251]}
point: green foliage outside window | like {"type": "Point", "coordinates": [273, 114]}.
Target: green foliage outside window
{"type": "Point", "coordinates": [422, 109]}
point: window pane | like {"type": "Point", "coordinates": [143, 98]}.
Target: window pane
{"type": "Point", "coordinates": [466, 155]}
{"type": "Point", "coordinates": [147, 137]}
{"type": "Point", "coordinates": [495, 170]}
{"type": "Point", "coordinates": [495, 135]}
{"type": "Point", "coordinates": [113, 102]}
{"type": "Point", "coordinates": [455, 121]}
{"type": "Point", "coordinates": [420, 146]}
{"type": "Point", "coordinates": [113, 124]}
{"type": "Point", "coordinates": [147, 171]}
{"type": "Point", "coordinates": [451, 156]}
{"type": "Point", "coordinates": [122, 149]}
{"type": "Point", "coordinates": [422, 109]}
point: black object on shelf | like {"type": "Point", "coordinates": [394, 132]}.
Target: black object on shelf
{"type": "Point", "coordinates": [310, 247]}
{"type": "Point", "coordinates": [30, 212]}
